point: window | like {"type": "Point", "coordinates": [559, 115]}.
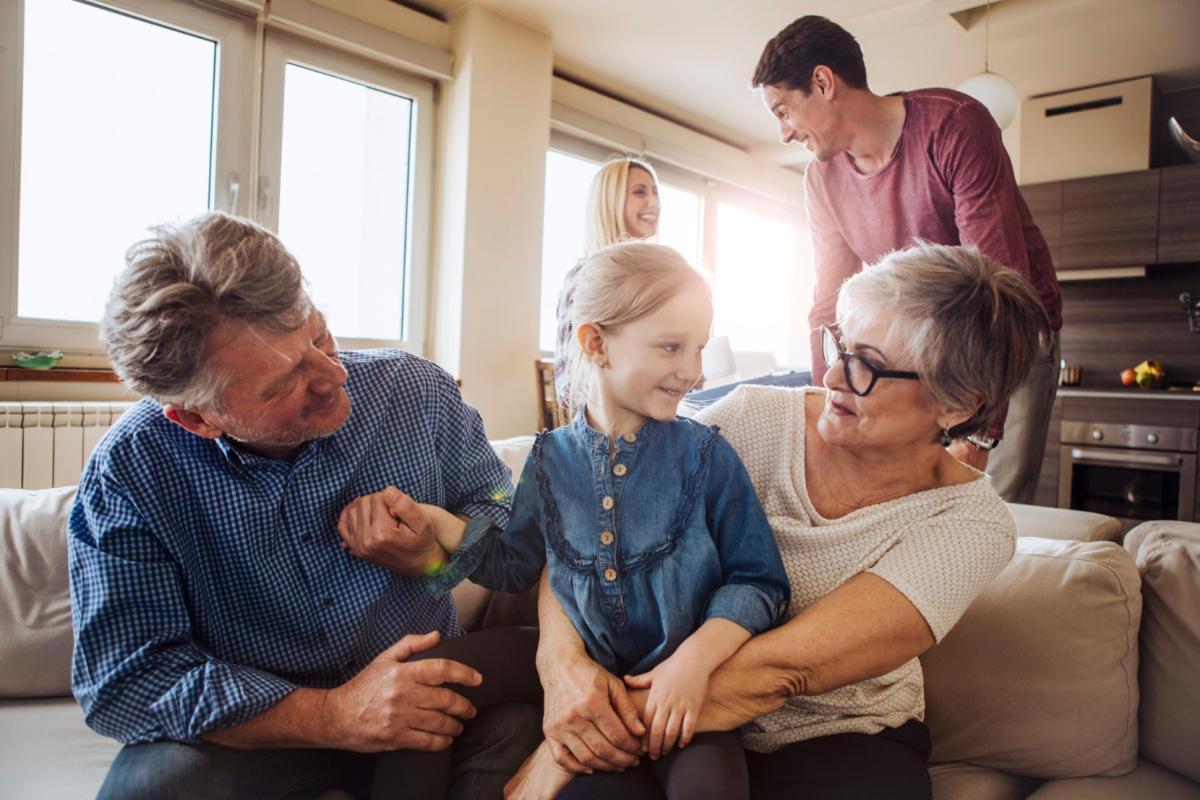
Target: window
{"type": "Point", "coordinates": [143, 111]}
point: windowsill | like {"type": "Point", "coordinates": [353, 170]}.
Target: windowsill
{"type": "Point", "coordinates": [59, 375]}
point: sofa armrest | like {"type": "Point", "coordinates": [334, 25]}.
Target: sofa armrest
{"type": "Point", "coordinates": [1064, 523]}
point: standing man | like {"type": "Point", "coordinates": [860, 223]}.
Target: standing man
{"type": "Point", "coordinates": [224, 631]}
{"type": "Point", "coordinates": [927, 164]}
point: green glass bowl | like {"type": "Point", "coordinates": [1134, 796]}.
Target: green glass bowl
{"type": "Point", "coordinates": [37, 360]}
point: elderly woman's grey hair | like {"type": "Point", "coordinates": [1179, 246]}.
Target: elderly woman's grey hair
{"type": "Point", "coordinates": [973, 328]}
{"type": "Point", "coordinates": [179, 285]}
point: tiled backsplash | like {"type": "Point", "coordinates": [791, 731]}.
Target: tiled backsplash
{"type": "Point", "coordinates": [1114, 324]}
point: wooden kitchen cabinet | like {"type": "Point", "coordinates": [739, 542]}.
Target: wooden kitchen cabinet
{"type": "Point", "coordinates": [1110, 220]}
{"type": "Point", "coordinates": [1179, 214]}
{"type": "Point", "coordinates": [1045, 205]}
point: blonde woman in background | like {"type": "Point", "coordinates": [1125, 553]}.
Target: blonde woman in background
{"type": "Point", "coordinates": [622, 205]}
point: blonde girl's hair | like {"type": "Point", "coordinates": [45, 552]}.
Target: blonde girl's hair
{"type": "Point", "coordinates": [606, 202]}
{"type": "Point", "coordinates": [617, 285]}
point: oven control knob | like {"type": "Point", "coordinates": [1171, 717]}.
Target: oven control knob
{"type": "Point", "coordinates": [1097, 435]}
{"type": "Point", "coordinates": [1152, 438]}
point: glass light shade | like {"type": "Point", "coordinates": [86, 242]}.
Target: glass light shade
{"type": "Point", "coordinates": [996, 94]}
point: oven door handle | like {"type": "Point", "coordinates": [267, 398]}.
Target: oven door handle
{"type": "Point", "coordinates": [1126, 457]}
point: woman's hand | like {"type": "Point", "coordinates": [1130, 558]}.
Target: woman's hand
{"type": "Point", "coordinates": [589, 721]}
{"type": "Point", "coordinates": [678, 687]}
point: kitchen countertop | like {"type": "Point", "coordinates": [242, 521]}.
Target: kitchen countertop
{"type": "Point", "coordinates": [1128, 394]}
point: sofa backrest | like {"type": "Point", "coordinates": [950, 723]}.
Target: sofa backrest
{"type": "Point", "coordinates": [1168, 556]}
{"type": "Point", "coordinates": [35, 607]}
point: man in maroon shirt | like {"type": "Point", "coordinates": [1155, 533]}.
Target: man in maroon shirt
{"type": "Point", "coordinates": [927, 164]}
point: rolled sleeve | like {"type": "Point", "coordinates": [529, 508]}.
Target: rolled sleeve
{"type": "Point", "coordinates": [748, 606]}
{"type": "Point", "coordinates": [465, 560]}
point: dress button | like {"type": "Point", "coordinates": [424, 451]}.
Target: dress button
{"type": "Point", "coordinates": [630, 437]}
{"type": "Point", "coordinates": [610, 574]}
{"type": "Point", "coordinates": [619, 470]}
{"type": "Point", "coordinates": [606, 537]}
{"type": "Point", "coordinates": [608, 503]}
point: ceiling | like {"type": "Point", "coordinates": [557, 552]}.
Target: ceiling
{"type": "Point", "coordinates": [691, 60]}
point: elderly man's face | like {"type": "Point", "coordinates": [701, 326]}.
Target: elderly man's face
{"type": "Point", "coordinates": [283, 389]}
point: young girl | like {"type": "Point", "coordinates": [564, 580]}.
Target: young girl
{"type": "Point", "coordinates": [656, 545]}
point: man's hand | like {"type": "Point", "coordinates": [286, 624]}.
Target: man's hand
{"type": "Point", "coordinates": [389, 529]}
{"type": "Point", "coordinates": [392, 704]}
{"type": "Point", "coordinates": [589, 721]}
{"type": "Point", "coordinates": [969, 454]}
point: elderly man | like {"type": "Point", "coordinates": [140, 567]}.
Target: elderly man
{"type": "Point", "coordinates": [225, 631]}
{"type": "Point", "coordinates": [891, 170]}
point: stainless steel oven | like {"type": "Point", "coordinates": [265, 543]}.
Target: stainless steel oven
{"type": "Point", "coordinates": [1133, 472]}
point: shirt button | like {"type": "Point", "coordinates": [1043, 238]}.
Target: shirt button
{"type": "Point", "coordinates": [306, 537]}
{"type": "Point", "coordinates": [608, 503]}
{"type": "Point", "coordinates": [630, 437]}
{"type": "Point", "coordinates": [327, 601]}
{"type": "Point", "coordinates": [620, 469]}
{"type": "Point", "coordinates": [606, 537]}
{"type": "Point", "coordinates": [610, 574]}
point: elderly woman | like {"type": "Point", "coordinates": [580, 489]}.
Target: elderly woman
{"type": "Point", "coordinates": [885, 536]}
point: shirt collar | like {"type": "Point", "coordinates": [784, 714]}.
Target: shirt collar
{"type": "Point", "coordinates": [595, 440]}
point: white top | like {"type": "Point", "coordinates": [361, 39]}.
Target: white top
{"type": "Point", "coordinates": [939, 547]}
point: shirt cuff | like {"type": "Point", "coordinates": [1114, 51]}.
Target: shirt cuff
{"type": "Point", "coordinates": [464, 560]}
{"type": "Point", "coordinates": [215, 696]}
{"type": "Point", "coordinates": [746, 605]}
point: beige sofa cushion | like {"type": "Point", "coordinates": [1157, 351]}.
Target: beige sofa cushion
{"type": "Point", "coordinates": [1148, 782]}
{"type": "Point", "coordinates": [1168, 557]}
{"type": "Point", "coordinates": [1062, 523]}
{"type": "Point", "coordinates": [1039, 677]}
{"type": "Point", "coordinates": [35, 604]}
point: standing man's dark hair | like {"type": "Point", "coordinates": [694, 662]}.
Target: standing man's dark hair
{"type": "Point", "coordinates": [789, 59]}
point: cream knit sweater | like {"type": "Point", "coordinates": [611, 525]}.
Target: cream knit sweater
{"type": "Point", "coordinates": [938, 547]}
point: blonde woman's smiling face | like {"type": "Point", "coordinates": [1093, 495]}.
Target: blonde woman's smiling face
{"type": "Point", "coordinates": [641, 204]}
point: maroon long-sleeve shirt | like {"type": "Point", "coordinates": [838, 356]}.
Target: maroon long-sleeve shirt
{"type": "Point", "coordinates": [950, 181]}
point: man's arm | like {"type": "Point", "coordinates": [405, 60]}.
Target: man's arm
{"type": "Point", "coordinates": [834, 262]}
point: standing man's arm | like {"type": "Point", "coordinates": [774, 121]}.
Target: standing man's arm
{"type": "Point", "coordinates": [834, 262]}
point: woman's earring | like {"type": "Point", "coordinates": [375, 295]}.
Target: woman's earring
{"type": "Point", "coordinates": [944, 437]}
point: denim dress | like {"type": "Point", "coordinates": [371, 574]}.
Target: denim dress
{"type": "Point", "coordinates": [643, 545]}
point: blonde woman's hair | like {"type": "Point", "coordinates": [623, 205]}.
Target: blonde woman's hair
{"type": "Point", "coordinates": [972, 327]}
{"type": "Point", "coordinates": [606, 202]}
{"type": "Point", "coordinates": [617, 285]}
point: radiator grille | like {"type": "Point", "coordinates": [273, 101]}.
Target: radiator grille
{"type": "Point", "coordinates": [46, 444]}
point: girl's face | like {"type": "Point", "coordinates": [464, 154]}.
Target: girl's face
{"type": "Point", "coordinates": [641, 204]}
{"type": "Point", "coordinates": [654, 361]}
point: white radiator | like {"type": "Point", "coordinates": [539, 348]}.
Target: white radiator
{"type": "Point", "coordinates": [46, 444]}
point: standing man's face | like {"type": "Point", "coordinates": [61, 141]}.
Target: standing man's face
{"type": "Point", "coordinates": [805, 119]}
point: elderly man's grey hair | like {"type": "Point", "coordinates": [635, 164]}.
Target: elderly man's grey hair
{"type": "Point", "coordinates": [179, 285]}
{"type": "Point", "coordinates": [972, 328]}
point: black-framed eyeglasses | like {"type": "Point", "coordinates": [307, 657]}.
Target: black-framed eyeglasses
{"type": "Point", "coordinates": [861, 375]}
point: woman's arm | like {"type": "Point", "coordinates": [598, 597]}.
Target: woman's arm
{"type": "Point", "coordinates": [589, 720]}
{"type": "Point", "coordinates": [862, 629]}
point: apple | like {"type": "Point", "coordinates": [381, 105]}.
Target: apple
{"type": "Point", "coordinates": [1128, 377]}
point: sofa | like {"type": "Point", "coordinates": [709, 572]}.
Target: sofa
{"type": "Point", "coordinates": [1074, 674]}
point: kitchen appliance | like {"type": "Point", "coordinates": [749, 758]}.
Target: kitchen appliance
{"type": "Point", "coordinates": [1132, 472]}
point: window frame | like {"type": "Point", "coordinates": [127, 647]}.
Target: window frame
{"type": "Point", "coordinates": [279, 50]}
{"type": "Point", "coordinates": [231, 156]}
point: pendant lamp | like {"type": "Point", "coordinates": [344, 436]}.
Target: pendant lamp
{"type": "Point", "coordinates": [994, 91]}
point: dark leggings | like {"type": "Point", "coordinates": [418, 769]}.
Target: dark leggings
{"type": "Point", "coordinates": [505, 659]}
{"type": "Point", "coordinates": [889, 764]}
{"type": "Point", "coordinates": [712, 766]}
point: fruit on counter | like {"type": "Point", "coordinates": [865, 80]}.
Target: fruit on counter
{"type": "Point", "coordinates": [1128, 377]}
{"type": "Point", "coordinates": [1149, 374]}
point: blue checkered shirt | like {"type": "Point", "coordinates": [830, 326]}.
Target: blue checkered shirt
{"type": "Point", "coordinates": [208, 583]}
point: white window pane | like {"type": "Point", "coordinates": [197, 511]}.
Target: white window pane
{"type": "Point", "coordinates": [567, 182]}
{"type": "Point", "coordinates": [763, 285]}
{"type": "Point", "coordinates": [679, 222]}
{"type": "Point", "coordinates": [343, 198]}
{"type": "Point", "coordinates": [116, 135]}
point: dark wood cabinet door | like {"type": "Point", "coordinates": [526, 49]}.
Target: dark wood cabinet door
{"type": "Point", "coordinates": [1110, 221]}
{"type": "Point", "coordinates": [1045, 205]}
{"type": "Point", "coordinates": [1179, 215]}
